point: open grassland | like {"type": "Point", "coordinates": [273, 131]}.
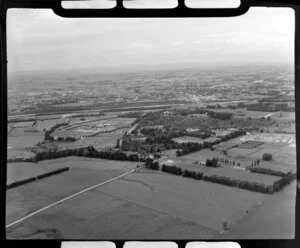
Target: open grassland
{"type": "Point", "coordinates": [274, 219]}
{"type": "Point", "coordinates": [243, 175]}
{"type": "Point", "coordinates": [83, 172]}
{"type": "Point", "coordinates": [20, 171]}
{"type": "Point", "coordinates": [99, 216]}
{"type": "Point", "coordinates": [149, 205]}
{"type": "Point", "coordinates": [18, 142]}
{"type": "Point", "coordinates": [204, 203]}
{"type": "Point", "coordinates": [100, 141]}
{"type": "Point", "coordinates": [42, 125]}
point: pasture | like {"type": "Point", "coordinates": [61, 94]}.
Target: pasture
{"type": "Point", "coordinates": [274, 219]}
{"type": "Point", "coordinates": [20, 171]}
{"type": "Point", "coordinates": [150, 204]}
{"type": "Point", "coordinates": [43, 125]}
{"type": "Point", "coordinates": [83, 172]}
{"type": "Point", "coordinates": [201, 202]}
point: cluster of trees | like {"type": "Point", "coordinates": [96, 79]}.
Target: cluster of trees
{"type": "Point", "coordinates": [172, 169]}
{"type": "Point", "coordinates": [214, 106]}
{"type": "Point", "coordinates": [52, 129]}
{"type": "Point", "coordinates": [265, 171]}
{"type": "Point", "coordinates": [187, 148]}
{"type": "Point", "coordinates": [89, 151]}
{"type": "Point", "coordinates": [150, 164]}
{"type": "Point", "coordinates": [220, 115]}
{"type": "Point", "coordinates": [211, 162]}
{"type": "Point", "coordinates": [128, 144]}
{"type": "Point", "coordinates": [267, 157]}
{"type": "Point", "coordinates": [252, 186]}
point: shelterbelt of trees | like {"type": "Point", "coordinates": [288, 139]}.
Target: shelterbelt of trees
{"type": "Point", "coordinates": [89, 152]}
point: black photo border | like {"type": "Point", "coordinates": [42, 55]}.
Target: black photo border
{"type": "Point", "coordinates": [120, 12]}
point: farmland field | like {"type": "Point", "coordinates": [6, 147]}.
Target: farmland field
{"type": "Point", "coordinates": [102, 140]}
{"type": "Point", "coordinates": [131, 201]}
{"type": "Point", "coordinates": [32, 196]}
{"type": "Point", "coordinates": [20, 171]}
{"type": "Point", "coordinates": [18, 141]}
{"type": "Point", "coordinates": [42, 125]}
{"type": "Point", "coordinates": [277, 211]}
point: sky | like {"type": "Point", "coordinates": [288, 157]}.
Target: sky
{"type": "Point", "coordinates": [39, 40]}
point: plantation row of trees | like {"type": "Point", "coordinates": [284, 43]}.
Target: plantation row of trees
{"type": "Point", "coordinates": [66, 139]}
{"type": "Point", "coordinates": [265, 171]}
{"type": "Point", "coordinates": [178, 171]}
{"type": "Point", "coordinates": [89, 151]}
{"type": "Point", "coordinates": [252, 186]}
{"type": "Point", "coordinates": [212, 114]}
{"type": "Point", "coordinates": [52, 129]}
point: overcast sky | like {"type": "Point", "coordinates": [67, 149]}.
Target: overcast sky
{"type": "Point", "coordinates": [40, 40]}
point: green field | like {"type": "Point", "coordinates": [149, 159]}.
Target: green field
{"type": "Point", "coordinates": [20, 171]}
{"type": "Point", "coordinates": [274, 219]}
{"type": "Point", "coordinates": [18, 142]}
{"type": "Point", "coordinates": [148, 204]}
